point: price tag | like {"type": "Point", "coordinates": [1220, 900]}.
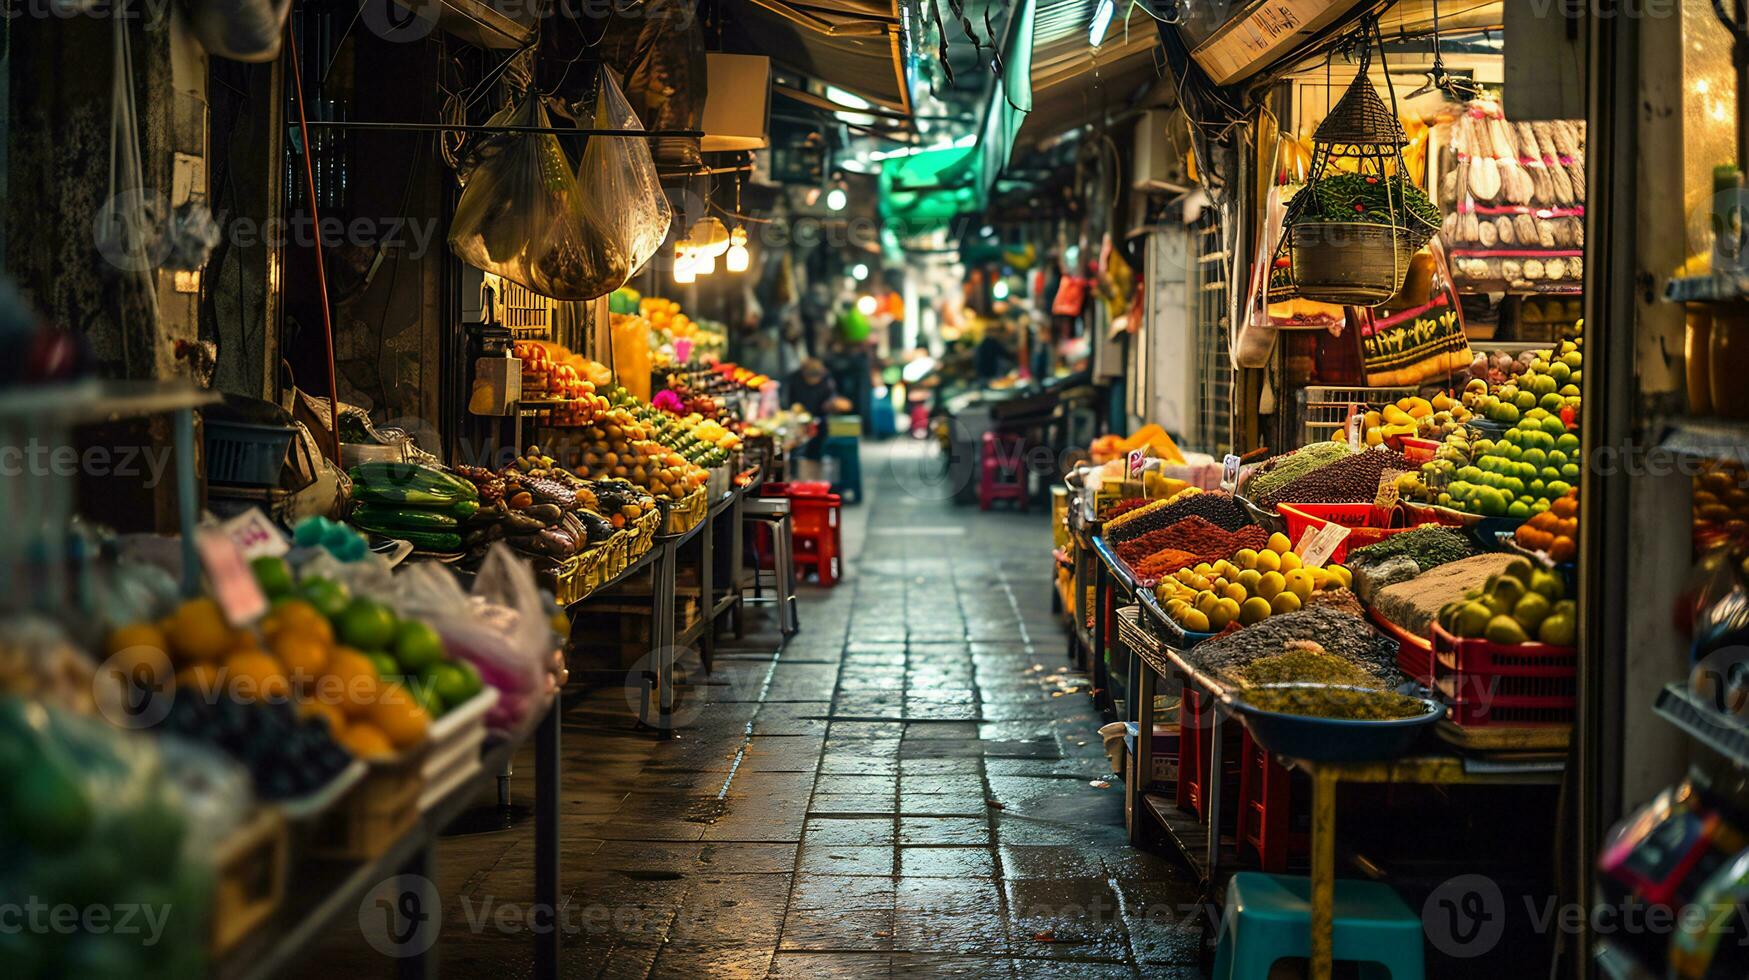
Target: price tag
{"type": "Point", "coordinates": [1323, 545]}
{"type": "Point", "coordinates": [1230, 473]}
{"type": "Point", "coordinates": [233, 584]}
{"type": "Point", "coordinates": [1387, 495]}
{"type": "Point", "coordinates": [1305, 542]}
{"type": "Point", "coordinates": [1137, 458]}
{"type": "Point", "coordinates": [255, 535]}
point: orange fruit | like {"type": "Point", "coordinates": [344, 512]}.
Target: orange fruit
{"type": "Point", "coordinates": [329, 713]}
{"type": "Point", "coordinates": [298, 616]}
{"type": "Point", "coordinates": [255, 676]}
{"type": "Point", "coordinates": [305, 657]}
{"type": "Point", "coordinates": [351, 683]}
{"type": "Point", "coordinates": [399, 716]}
{"type": "Point", "coordinates": [197, 630]}
{"type": "Point", "coordinates": [146, 635]}
{"type": "Point", "coordinates": [366, 741]}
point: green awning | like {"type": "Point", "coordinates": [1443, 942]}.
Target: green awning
{"type": "Point", "coordinates": [925, 191]}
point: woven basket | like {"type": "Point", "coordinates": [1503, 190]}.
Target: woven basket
{"type": "Point", "coordinates": [683, 515]}
{"type": "Point", "coordinates": [1352, 263]}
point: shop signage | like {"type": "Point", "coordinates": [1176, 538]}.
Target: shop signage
{"type": "Point", "coordinates": [1263, 31]}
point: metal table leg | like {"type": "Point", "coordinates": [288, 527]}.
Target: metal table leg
{"type": "Point", "coordinates": [187, 502]}
{"type": "Point", "coordinates": [1323, 871]}
{"type": "Point", "coordinates": [662, 637]}
{"type": "Point", "coordinates": [1142, 766]}
{"type": "Point", "coordinates": [418, 962]}
{"type": "Point", "coordinates": [546, 841]}
{"type": "Point", "coordinates": [707, 595]}
{"type": "Point", "coordinates": [1213, 789]}
{"type": "Point", "coordinates": [736, 562]}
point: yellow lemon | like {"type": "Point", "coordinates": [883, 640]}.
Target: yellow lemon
{"type": "Point", "coordinates": [1286, 602]}
{"type": "Point", "coordinates": [1271, 585]}
{"type": "Point", "coordinates": [1246, 558]}
{"type": "Point", "coordinates": [1279, 543]}
{"type": "Point", "coordinates": [1268, 561]}
{"type": "Point", "coordinates": [1229, 609]}
{"type": "Point", "coordinates": [1195, 622]}
{"type": "Point", "coordinates": [1249, 579]}
{"type": "Point", "coordinates": [1205, 601]}
{"type": "Point", "coordinates": [1290, 561]}
{"type": "Point", "coordinates": [1255, 610]}
{"type": "Point", "coordinates": [1299, 582]}
{"type": "Point", "coordinates": [1341, 575]}
{"type": "Point", "coordinates": [1237, 592]}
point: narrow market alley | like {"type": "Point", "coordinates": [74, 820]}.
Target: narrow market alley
{"type": "Point", "coordinates": [912, 786]}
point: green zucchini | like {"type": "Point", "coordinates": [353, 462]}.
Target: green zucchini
{"type": "Point", "coordinates": [404, 518]}
{"type": "Point", "coordinates": [426, 540]}
{"type": "Point", "coordinates": [465, 508]}
{"type": "Point", "coordinates": [409, 483]}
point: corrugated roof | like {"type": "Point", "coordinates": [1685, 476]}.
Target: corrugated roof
{"type": "Point", "coordinates": [1073, 82]}
{"type": "Point", "coordinates": [852, 44]}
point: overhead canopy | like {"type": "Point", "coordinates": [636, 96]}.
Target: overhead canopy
{"type": "Point", "coordinates": [1074, 84]}
{"type": "Point", "coordinates": [925, 191]}
{"type": "Point", "coordinates": [851, 44]}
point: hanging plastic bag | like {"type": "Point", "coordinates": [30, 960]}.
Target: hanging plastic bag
{"type": "Point", "coordinates": [241, 30]}
{"type": "Point", "coordinates": [130, 223]}
{"type": "Point", "coordinates": [521, 213]}
{"type": "Point", "coordinates": [621, 192]}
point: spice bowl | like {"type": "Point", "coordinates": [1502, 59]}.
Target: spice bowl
{"type": "Point", "coordinates": [1318, 739]}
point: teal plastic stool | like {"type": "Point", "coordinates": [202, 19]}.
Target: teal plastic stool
{"type": "Point", "coordinates": [1269, 917]}
{"type": "Point", "coordinates": [847, 450]}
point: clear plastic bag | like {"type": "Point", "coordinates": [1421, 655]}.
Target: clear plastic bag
{"type": "Point", "coordinates": [502, 629]}
{"type": "Point", "coordinates": [241, 30]}
{"type": "Point", "coordinates": [521, 214]}
{"type": "Point", "coordinates": [621, 192]}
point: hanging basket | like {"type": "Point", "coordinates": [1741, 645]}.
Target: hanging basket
{"type": "Point", "coordinates": [1350, 263]}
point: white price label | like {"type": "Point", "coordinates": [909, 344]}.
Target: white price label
{"type": "Point", "coordinates": [1324, 544]}
{"type": "Point", "coordinates": [1306, 538]}
{"type": "Point", "coordinates": [255, 535]}
{"type": "Point", "coordinates": [1138, 457]}
{"type": "Point", "coordinates": [1230, 473]}
{"type": "Point", "coordinates": [1387, 495]}
{"type": "Point", "coordinates": [1356, 427]}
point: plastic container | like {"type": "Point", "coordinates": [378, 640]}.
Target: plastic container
{"type": "Point", "coordinates": [1369, 524]}
{"type": "Point", "coordinates": [1414, 653]}
{"type": "Point", "coordinates": [454, 756]}
{"type": "Point", "coordinates": [1516, 685]}
{"type": "Point", "coordinates": [245, 454]}
{"type": "Point", "coordinates": [1336, 739]}
{"type": "Point", "coordinates": [1417, 450]}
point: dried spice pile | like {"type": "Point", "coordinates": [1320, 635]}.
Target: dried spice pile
{"type": "Point", "coordinates": [1219, 509]}
{"type": "Point", "coordinates": [1429, 546]}
{"type": "Point", "coordinates": [1123, 507]}
{"type": "Point", "coordinates": [1354, 479]}
{"type": "Point", "coordinates": [1335, 702]}
{"type": "Point", "coordinates": [1163, 563]}
{"type": "Point", "coordinates": [1285, 469]}
{"type": "Point", "coordinates": [1302, 661]}
{"type": "Point", "coordinates": [1193, 534]}
{"type": "Point", "coordinates": [1339, 633]}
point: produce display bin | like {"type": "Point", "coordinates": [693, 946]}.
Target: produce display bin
{"type": "Point", "coordinates": [249, 872]}
{"type": "Point", "coordinates": [1518, 685]}
{"type": "Point", "coordinates": [375, 813]}
{"type": "Point", "coordinates": [1414, 653]}
{"type": "Point", "coordinates": [245, 454]}
{"type": "Point", "coordinates": [1367, 524]}
{"type": "Point", "coordinates": [683, 515]}
{"type": "Point", "coordinates": [454, 754]}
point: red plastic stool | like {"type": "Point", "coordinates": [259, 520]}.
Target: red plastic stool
{"type": "Point", "coordinates": [1196, 753]}
{"type": "Point", "coordinates": [1265, 808]}
{"type": "Point", "coordinates": [814, 527]}
{"type": "Point", "coordinates": [1002, 470]}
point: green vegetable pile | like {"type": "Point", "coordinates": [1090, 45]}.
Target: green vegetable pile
{"type": "Point", "coordinates": [1429, 546]}
{"type": "Point", "coordinates": [1366, 197]}
{"type": "Point", "coordinates": [1283, 470]}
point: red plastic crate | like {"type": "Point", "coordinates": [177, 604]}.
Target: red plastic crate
{"type": "Point", "coordinates": [1274, 818]}
{"type": "Point", "coordinates": [1368, 524]}
{"type": "Point", "coordinates": [1414, 653]}
{"type": "Point", "coordinates": [1196, 754]}
{"type": "Point", "coordinates": [1516, 685]}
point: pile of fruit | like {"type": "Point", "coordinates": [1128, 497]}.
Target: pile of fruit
{"type": "Point", "coordinates": [742, 376]}
{"type": "Point", "coordinates": [1248, 588]}
{"type": "Point", "coordinates": [1421, 418]}
{"type": "Point", "coordinates": [551, 372]}
{"type": "Point", "coordinates": [1521, 474]}
{"type": "Point", "coordinates": [1549, 382]}
{"type": "Point", "coordinates": [621, 445]}
{"type": "Point", "coordinates": [1555, 531]}
{"type": "Point", "coordinates": [1519, 605]}
{"type": "Point", "coordinates": [412, 502]}
{"type": "Point", "coordinates": [700, 441]}
{"type": "Point", "coordinates": [1721, 499]}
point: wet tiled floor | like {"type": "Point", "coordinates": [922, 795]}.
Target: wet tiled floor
{"type": "Point", "coordinates": [904, 789]}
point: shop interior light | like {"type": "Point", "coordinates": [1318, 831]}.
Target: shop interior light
{"type": "Point", "coordinates": [867, 305]}
{"type": "Point", "coordinates": [859, 272]}
{"type": "Point", "coordinates": [703, 264]}
{"type": "Point", "coordinates": [1101, 22]}
{"type": "Point", "coordinates": [738, 259]}
{"type": "Point", "coordinates": [836, 199]}
{"type": "Point", "coordinates": [708, 236]}
{"type": "Point", "coordinates": [683, 271]}
{"type": "Point", "coordinates": [1000, 290]}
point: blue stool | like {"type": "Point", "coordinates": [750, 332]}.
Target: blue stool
{"type": "Point", "coordinates": [1269, 917]}
{"type": "Point", "coordinates": [847, 450]}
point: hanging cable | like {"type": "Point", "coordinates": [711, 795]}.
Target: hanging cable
{"type": "Point", "coordinates": [291, 46]}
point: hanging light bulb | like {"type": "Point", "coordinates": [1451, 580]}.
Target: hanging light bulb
{"type": "Point", "coordinates": [738, 259]}
{"type": "Point", "coordinates": [704, 263]}
{"type": "Point", "coordinates": [836, 199]}
{"type": "Point", "coordinates": [683, 267]}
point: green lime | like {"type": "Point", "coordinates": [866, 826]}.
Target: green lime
{"type": "Point", "coordinates": [387, 666]}
{"type": "Point", "coordinates": [273, 575]}
{"type": "Point", "coordinates": [417, 645]}
{"type": "Point", "coordinates": [366, 624]}
{"type": "Point", "coordinates": [450, 683]}
{"type": "Point", "coordinates": [328, 596]}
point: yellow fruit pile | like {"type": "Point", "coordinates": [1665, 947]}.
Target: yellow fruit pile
{"type": "Point", "coordinates": [1248, 588]}
{"type": "Point", "coordinates": [292, 656]}
{"type": "Point", "coordinates": [1418, 417]}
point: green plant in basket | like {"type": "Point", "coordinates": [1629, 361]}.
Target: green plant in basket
{"type": "Point", "coordinates": [1385, 200]}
